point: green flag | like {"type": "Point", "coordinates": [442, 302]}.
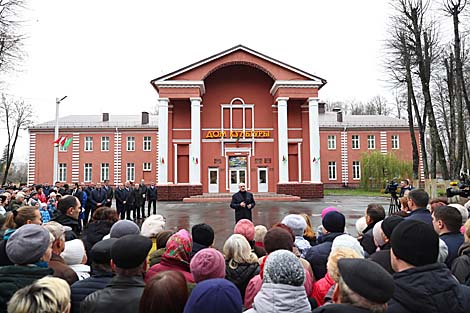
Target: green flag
{"type": "Point", "coordinates": [67, 142]}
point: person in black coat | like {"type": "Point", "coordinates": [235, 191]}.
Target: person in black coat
{"type": "Point", "coordinates": [109, 193]}
{"type": "Point", "coordinates": [101, 274]}
{"type": "Point", "coordinates": [374, 214]}
{"type": "Point", "coordinates": [422, 284]}
{"type": "Point", "coordinates": [141, 193]}
{"type": "Point", "coordinates": [130, 203]}
{"type": "Point", "coordinates": [122, 195]}
{"type": "Point", "coordinates": [333, 226]}
{"type": "Point", "coordinates": [98, 197]}
{"type": "Point", "coordinates": [77, 192]}
{"type": "Point", "coordinates": [88, 204]}
{"type": "Point", "coordinates": [152, 198]}
{"type": "Point", "coordinates": [243, 202]}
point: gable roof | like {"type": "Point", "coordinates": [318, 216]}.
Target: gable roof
{"type": "Point", "coordinates": [232, 50]}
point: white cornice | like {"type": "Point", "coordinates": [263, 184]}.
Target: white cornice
{"type": "Point", "coordinates": [295, 84]}
{"type": "Point", "coordinates": [181, 84]}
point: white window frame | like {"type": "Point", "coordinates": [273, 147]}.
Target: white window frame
{"type": "Point", "coordinates": [356, 170]}
{"type": "Point", "coordinates": [62, 175]}
{"type": "Point", "coordinates": [105, 142]}
{"type": "Point", "coordinates": [395, 142]}
{"type": "Point", "coordinates": [355, 142]}
{"type": "Point", "coordinates": [332, 173]}
{"type": "Point", "coordinates": [147, 143]}
{"type": "Point", "coordinates": [87, 171]}
{"type": "Point", "coordinates": [331, 142]}
{"type": "Point", "coordinates": [371, 142]}
{"type": "Point", "coordinates": [130, 143]}
{"type": "Point", "coordinates": [88, 143]}
{"type": "Point", "coordinates": [62, 148]}
{"type": "Point", "coordinates": [147, 168]}
{"type": "Point", "coordinates": [104, 171]}
{"type": "Point", "coordinates": [130, 172]}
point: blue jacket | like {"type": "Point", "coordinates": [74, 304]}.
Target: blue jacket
{"type": "Point", "coordinates": [421, 214]}
{"type": "Point", "coordinates": [318, 255]}
{"type": "Point", "coordinates": [82, 288]}
{"type": "Point", "coordinates": [428, 289]}
{"type": "Point", "coordinates": [453, 241]}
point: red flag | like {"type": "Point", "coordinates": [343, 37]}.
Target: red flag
{"type": "Point", "coordinates": [197, 162]}
{"type": "Point", "coordinates": [58, 139]}
{"type": "Point", "coordinates": [62, 141]}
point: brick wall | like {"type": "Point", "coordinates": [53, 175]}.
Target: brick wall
{"type": "Point", "coordinates": [178, 192]}
{"type": "Point", "coordinates": [302, 190]}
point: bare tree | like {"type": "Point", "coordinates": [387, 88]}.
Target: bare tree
{"type": "Point", "coordinates": [424, 42]}
{"type": "Point", "coordinates": [17, 116]}
{"type": "Point", "coordinates": [399, 66]}
{"type": "Point", "coordinates": [10, 36]}
{"type": "Point", "coordinates": [454, 8]}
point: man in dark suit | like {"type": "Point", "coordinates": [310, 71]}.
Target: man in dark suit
{"type": "Point", "coordinates": [242, 202]}
{"type": "Point", "coordinates": [98, 198]}
{"type": "Point", "coordinates": [109, 193]}
{"type": "Point", "coordinates": [130, 204]}
{"type": "Point", "coordinates": [122, 196]}
{"type": "Point", "coordinates": [152, 198]}
{"type": "Point", "coordinates": [140, 199]}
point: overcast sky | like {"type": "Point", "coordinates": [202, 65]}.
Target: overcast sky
{"type": "Point", "coordinates": [102, 54]}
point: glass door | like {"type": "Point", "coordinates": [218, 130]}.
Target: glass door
{"type": "Point", "coordinates": [213, 180]}
{"type": "Point", "coordinates": [262, 179]}
{"type": "Point", "coordinates": [237, 176]}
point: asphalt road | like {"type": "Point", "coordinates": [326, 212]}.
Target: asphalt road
{"type": "Point", "coordinates": [222, 218]}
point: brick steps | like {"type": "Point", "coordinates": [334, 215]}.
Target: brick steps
{"type": "Point", "coordinates": [227, 197]}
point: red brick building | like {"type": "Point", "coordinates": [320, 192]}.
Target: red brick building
{"type": "Point", "coordinates": [113, 147]}
{"type": "Point", "coordinates": [237, 116]}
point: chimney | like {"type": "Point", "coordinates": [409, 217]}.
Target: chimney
{"type": "Point", "coordinates": [321, 107]}
{"type": "Point", "coordinates": [145, 118]}
{"type": "Point", "coordinates": [105, 117]}
{"type": "Point", "coordinates": [339, 116]}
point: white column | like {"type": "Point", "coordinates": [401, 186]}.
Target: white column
{"type": "Point", "coordinates": [195, 148]}
{"type": "Point", "coordinates": [314, 134]}
{"type": "Point", "coordinates": [282, 139]}
{"type": "Point", "coordinates": [163, 140]}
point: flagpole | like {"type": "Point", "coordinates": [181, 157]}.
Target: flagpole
{"type": "Point", "coordinates": [56, 135]}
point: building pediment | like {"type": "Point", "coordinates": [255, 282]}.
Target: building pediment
{"type": "Point", "coordinates": [198, 71]}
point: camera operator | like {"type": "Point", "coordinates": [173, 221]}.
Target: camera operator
{"type": "Point", "coordinates": [404, 186]}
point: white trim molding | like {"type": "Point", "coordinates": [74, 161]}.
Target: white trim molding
{"type": "Point", "coordinates": [295, 84]}
{"type": "Point", "coordinates": [181, 84]}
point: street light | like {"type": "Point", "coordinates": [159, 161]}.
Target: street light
{"type": "Point", "coordinates": [56, 135]}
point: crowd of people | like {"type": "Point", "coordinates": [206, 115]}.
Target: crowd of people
{"type": "Point", "coordinates": [417, 260]}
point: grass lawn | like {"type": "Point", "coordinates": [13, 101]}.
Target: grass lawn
{"type": "Point", "coordinates": [354, 192]}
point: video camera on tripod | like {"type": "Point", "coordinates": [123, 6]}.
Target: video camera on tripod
{"type": "Point", "coordinates": [463, 187]}
{"type": "Point", "coordinates": [392, 188]}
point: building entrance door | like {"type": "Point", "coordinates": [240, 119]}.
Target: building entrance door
{"type": "Point", "coordinates": [213, 180]}
{"type": "Point", "coordinates": [262, 179]}
{"type": "Point", "coordinates": [237, 172]}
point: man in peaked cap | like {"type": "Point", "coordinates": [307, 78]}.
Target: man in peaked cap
{"type": "Point", "coordinates": [364, 286]}
{"type": "Point", "coordinates": [422, 284]}
{"type": "Point", "coordinates": [128, 258]}
{"type": "Point", "coordinates": [101, 274]}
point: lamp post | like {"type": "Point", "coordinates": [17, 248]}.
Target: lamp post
{"type": "Point", "coordinates": [56, 135]}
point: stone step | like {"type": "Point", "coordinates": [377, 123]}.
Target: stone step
{"type": "Point", "coordinates": [227, 197]}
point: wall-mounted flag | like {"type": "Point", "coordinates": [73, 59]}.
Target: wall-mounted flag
{"type": "Point", "coordinates": [163, 161]}
{"type": "Point", "coordinates": [68, 142]}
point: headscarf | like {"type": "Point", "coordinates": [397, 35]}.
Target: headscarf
{"type": "Point", "coordinates": [178, 248]}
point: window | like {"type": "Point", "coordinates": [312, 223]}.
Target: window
{"type": "Point", "coordinates": [105, 143]}
{"type": "Point", "coordinates": [147, 143]}
{"type": "Point", "coordinates": [130, 172]}
{"type": "Point", "coordinates": [356, 168]}
{"type": "Point", "coordinates": [62, 172]}
{"type": "Point", "coordinates": [370, 142]}
{"type": "Point", "coordinates": [355, 142]}
{"type": "Point", "coordinates": [130, 143]}
{"type": "Point", "coordinates": [147, 166]}
{"type": "Point", "coordinates": [88, 143]}
{"type": "Point", "coordinates": [331, 142]}
{"type": "Point", "coordinates": [332, 170]}
{"type": "Point", "coordinates": [88, 172]}
{"type": "Point", "coordinates": [104, 171]}
{"type": "Point", "coordinates": [395, 142]}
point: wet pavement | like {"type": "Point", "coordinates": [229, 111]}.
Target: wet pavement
{"type": "Point", "coordinates": [222, 218]}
